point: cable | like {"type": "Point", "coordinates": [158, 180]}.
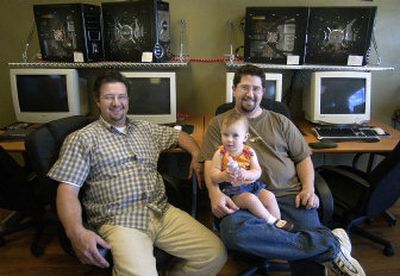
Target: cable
{"type": "Point", "coordinates": [206, 60]}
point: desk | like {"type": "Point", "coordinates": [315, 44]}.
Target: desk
{"type": "Point", "coordinates": [200, 122]}
{"type": "Point", "coordinates": [386, 144]}
{"type": "Point", "coordinates": [198, 132]}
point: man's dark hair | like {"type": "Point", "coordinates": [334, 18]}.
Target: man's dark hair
{"type": "Point", "coordinates": [108, 77]}
{"type": "Point", "coordinates": [249, 70]}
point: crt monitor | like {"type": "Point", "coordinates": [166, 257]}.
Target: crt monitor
{"type": "Point", "coordinates": [273, 86]}
{"type": "Point", "coordinates": [43, 95]}
{"type": "Point", "coordinates": [152, 96]}
{"type": "Point", "coordinates": [338, 98]}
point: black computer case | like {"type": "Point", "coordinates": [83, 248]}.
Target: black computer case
{"type": "Point", "coordinates": [273, 33]}
{"type": "Point", "coordinates": [134, 27]}
{"type": "Point", "coordinates": [335, 33]}
{"type": "Point", "coordinates": [67, 28]}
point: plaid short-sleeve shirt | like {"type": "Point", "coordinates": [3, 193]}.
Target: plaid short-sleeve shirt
{"type": "Point", "coordinates": [117, 170]}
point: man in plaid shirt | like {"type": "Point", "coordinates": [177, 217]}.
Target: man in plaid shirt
{"type": "Point", "coordinates": [116, 160]}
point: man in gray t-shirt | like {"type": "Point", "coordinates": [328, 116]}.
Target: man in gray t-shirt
{"type": "Point", "coordinates": [288, 171]}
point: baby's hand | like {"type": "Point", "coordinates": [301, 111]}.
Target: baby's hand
{"type": "Point", "coordinates": [238, 178]}
{"type": "Point", "coordinates": [228, 175]}
{"type": "Point", "coordinates": [242, 175]}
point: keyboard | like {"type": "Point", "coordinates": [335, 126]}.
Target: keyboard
{"type": "Point", "coordinates": [15, 134]}
{"type": "Point", "coordinates": [346, 133]}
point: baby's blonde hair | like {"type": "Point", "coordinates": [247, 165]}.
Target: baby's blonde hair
{"type": "Point", "coordinates": [234, 117]}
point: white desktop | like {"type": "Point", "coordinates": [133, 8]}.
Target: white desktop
{"type": "Point", "coordinates": [273, 86]}
{"type": "Point", "coordinates": [43, 95]}
{"type": "Point", "coordinates": [152, 96]}
{"type": "Point", "coordinates": [338, 98]}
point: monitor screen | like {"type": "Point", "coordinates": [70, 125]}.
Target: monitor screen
{"type": "Point", "coordinates": [42, 93]}
{"type": "Point", "coordinates": [152, 96]}
{"type": "Point", "coordinates": [273, 86]}
{"type": "Point", "coordinates": [343, 96]}
{"type": "Point", "coordinates": [270, 89]}
{"type": "Point", "coordinates": [149, 96]}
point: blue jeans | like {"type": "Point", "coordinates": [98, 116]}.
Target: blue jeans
{"type": "Point", "coordinates": [308, 242]}
{"type": "Point", "coordinates": [230, 190]}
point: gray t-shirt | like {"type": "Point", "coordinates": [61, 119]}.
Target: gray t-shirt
{"type": "Point", "coordinates": [279, 146]}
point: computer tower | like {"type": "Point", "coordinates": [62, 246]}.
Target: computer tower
{"type": "Point", "coordinates": [335, 33]}
{"type": "Point", "coordinates": [134, 27]}
{"type": "Point", "coordinates": [69, 32]}
{"type": "Point", "coordinates": [273, 33]}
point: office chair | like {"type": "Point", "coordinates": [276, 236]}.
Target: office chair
{"type": "Point", "coordinates": [388, 215]}
{"type": "Point", "coordinates": [359, 196]}
{"type": "Point", "coordinates": [43, 146]}
{"type": "Point", "coordinates": [17, 195]}
{"type": "Point", "coordinates": [258, 264]}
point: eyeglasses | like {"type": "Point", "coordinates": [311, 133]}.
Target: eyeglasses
{"type": "Point", "coordinates": [247, 88]}
{"type": "Point", "coordinates": [110, 98]}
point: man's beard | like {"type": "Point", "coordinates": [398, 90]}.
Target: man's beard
{"type": "Point", "coordinates": [246, 107]}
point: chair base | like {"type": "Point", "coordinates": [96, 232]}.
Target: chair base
{"type": "Point", "coordinates": [388, 248]}
{"type": "Point", "coordinates": [390, 218]}
{"type": "Point", "coordinates": [265, 268]}
{"type": "Point", "coordinates": [19, 221]}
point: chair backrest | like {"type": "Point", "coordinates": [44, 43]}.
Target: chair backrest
{"type": "Point", "coordinates": [43, 146]}
{"type": "Point", "coordinates": [385, 181]}
{"type": "Point", "coordinates": [16, 192]}
{"type": "Point", "coordinates": [278, 107]}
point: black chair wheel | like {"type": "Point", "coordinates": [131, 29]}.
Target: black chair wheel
{"type": "Point", "coordinates": [2, 241]}
{"type": "Point", "coordinates": [37, 250]}
{"type": "Point", "coordinates": [388, 251]}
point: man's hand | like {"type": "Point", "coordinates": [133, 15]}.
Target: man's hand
{"type": "Point", "coordinates": [308, 199]}
{"type": "Point", "coordinates": [222, 205]}
{"type": "Point", "coordinates": [198, 169]}
{"type": "Point", "coordinates": [85, 244]}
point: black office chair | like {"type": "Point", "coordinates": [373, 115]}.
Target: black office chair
{"type": "Point", "coordinates": [259, 265]}
{"type": "Point", "coordinates": [17, 194]}
{"type": "Point", "coordinates": [359, 196]}
{"type": "Point", "coordinates": [371, 161]}
{"type": "Point", "coordinates": [43, 146]}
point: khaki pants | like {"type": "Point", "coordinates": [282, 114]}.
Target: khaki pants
{"type": "Point", "coordinates": [177, 233]}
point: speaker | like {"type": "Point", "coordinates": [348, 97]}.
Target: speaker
{"type": "Point", "coordinates": [65, 29]}
{"type": "Point", "coordinates": [273, 33]}
{"type": "Point", "coordinates": [334, 33]}
{"type": "Point", "coordinates": [134, 27]}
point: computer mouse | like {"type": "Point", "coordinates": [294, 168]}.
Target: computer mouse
{"type": "Point", "coordinates": [323, 144]}
{"type": "Point", "coordinates": [379, 131]}
{"type": "Point", "coordinates": [178, 127]}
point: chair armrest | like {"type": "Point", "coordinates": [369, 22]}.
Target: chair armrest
{"type": "Point", "coordinates": [343, 171]}
{"type": "Point", "coordinates": [350, 188]}
{"type": "Point", "coordinates": [326, 207]}
{"type": "Point", "coordinates": [177, 189]}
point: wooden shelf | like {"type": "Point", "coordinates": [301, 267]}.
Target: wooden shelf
{"type": "Point", "coordinates": [317, 67]}
{"type": "Point", "coordinates": [99, 65]}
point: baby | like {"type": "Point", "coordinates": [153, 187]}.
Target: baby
{"type": "Point", "coordinates": [236, 169]}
